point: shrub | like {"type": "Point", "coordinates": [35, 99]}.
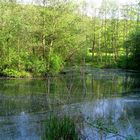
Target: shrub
{"type": "Point", "coordinates": [56, 63]}
{"type": "Point", "coordinates": [15, 73]}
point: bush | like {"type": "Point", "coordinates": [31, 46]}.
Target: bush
{"type": "Point", "coordinates": [15, 73]}
{"type": "Point", "coordinates": [60, 129]}
{"type": "Point", "coordinates": [56, 63]}
{"type": "Point", "coordinates": [39, 67]}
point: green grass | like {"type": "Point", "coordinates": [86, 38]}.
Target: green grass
{"type": "Point", "coordinates": [57, 128]}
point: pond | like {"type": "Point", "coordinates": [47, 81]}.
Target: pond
{"type": "Point", "coordinates": [112, 96]}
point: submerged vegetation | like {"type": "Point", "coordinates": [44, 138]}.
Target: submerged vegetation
{"type": "Point", "coordinates": [44, 38]}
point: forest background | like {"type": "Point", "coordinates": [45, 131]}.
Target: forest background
{"type": "Point", "coordinates": [50, 35]}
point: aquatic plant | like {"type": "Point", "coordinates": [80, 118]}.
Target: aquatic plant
{"type": "Point", "coordinates": [102, 125]}
{"type": "Point", "coordinates": [57, 128]}
{"type": "Point", "coordinates": [108, 128]}
{"type": "Point", "coordinates": [130, 137]}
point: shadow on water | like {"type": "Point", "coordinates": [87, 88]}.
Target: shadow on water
{"type": "Point", "coordinates": [110, 95]}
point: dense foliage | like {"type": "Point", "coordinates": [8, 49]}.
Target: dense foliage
{"type": "Point", "coordinates": [133, 44]}
{"type": "Point", "coordinates": [45, 37]}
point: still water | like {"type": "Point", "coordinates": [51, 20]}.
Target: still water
{"type": "Point", "coordinates": [112, 96]}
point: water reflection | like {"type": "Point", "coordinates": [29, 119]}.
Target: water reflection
{"type": "Point", "coordinates": [23, 126]}
{"type": "Point", "coordinates": [19, 127]}
{"type": "Point", "coordinates": [111, 95]}
{"type": "Point", "coordinates": [119, 112]}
